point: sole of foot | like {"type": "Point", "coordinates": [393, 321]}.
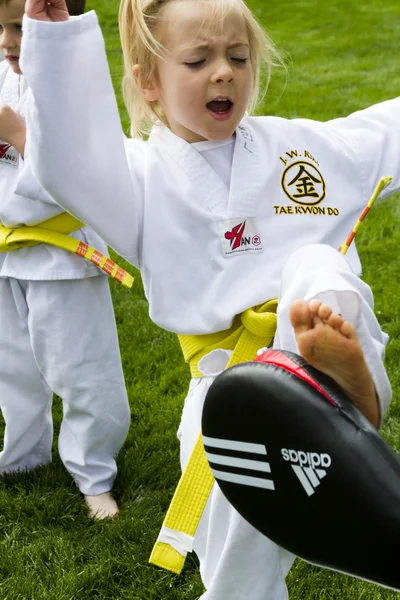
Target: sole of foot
{"type": "Point", "coordinates": [331, 345]}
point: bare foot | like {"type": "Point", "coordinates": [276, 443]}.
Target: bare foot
{"type": "Point", "coordinates": [330, 344]}
{"type": "Point", "coordinates": [102, 506]}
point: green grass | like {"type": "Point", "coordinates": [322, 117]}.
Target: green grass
{"type": "Point", "coordinates": [342, 56]}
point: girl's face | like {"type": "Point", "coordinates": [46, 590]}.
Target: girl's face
{"type": "Point", "coordinates": [205, 82]}
{"type": "Point", "coordinates": [11, 32]}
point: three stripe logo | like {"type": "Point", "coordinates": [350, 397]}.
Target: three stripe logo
{"type": "Point", "coordinates": [309, 478]}
{"type": "Point", "coordinates": [243, 463]}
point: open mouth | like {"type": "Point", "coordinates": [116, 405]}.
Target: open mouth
{"type": "Point", "coordinates": [220, 106]}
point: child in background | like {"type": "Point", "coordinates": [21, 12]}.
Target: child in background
{"type": "Point", "coordinates": [221, 211]}
{"type": "Point", "coordinates": [57, 326]}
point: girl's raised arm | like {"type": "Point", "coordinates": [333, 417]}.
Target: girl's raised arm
{"type": "Point", "coordinates": [74, 135]}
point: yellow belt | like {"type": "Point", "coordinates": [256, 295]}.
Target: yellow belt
{"type": "Point", "coordinates": [55, 232]}
{"type": "Point", "coordinates": [253, 329]}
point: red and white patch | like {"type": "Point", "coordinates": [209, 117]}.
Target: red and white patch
{"type": "Point", "coordinates": [9, 155]}
{"type": "Point", "coordinates": [239, 236]}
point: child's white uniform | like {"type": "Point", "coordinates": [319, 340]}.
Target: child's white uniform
{"type": "Point", "coordinates": [207, 252]}
{"type": "Point", "coordinates": [57, 334]}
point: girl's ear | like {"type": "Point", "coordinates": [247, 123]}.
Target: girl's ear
{"type": "Point", "coordinates": [149, 90]}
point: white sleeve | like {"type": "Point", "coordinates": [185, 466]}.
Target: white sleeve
{"type": "Point", "coordinates": [27, 185]}
{"type": "Point", "coordinates": [374, 134]}
{"type": "Point", "coordinates": [74, 134]}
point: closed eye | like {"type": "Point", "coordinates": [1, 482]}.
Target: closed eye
{"type": "Point", "coordinates": [195, 65]}
{"type": "Point", "coordinates": [241, 61]}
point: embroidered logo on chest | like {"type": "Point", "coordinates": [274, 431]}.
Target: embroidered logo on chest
{"type": "Point", "coordinates": [8, 155]}
{"type": "Point", "coordinates": [304, 185]}
{"type": "Point", "coordinates": [238, 236]}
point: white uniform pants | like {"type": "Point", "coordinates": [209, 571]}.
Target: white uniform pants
{"type": "Point", "coordinates": [60, 336]}
{"type": "Point", "coordinates": [237, 562]}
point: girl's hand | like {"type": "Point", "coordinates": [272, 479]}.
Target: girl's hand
{"type": "Point", "coordinates": [47, 10]}
{"type": "Point", "coordinates": [12, 128]}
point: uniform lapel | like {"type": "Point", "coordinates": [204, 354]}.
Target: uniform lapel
{"type": "Point", "coordinates": [10, 90]}
{"type": "Point", "coordinates": [213, 192]}
{"type": "Point", "coordinates": [13, 91]}
{"type": "Point", "coordinates": [243, 197]}
{"type": "Point", "coordinates": [246, 175]}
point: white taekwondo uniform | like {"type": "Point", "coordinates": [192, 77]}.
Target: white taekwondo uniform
{"type": "Point", "coordinates": [57, 334]}
{"type": "Point", "coordinates": [208, 251]}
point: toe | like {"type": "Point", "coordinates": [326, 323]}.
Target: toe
{"type": "Point", "coordinates": [348, 330]}
{"type": "Point", "coordinates": [335, 321]}
{"type": "Point", "coordinates": [324, 312]}
{"type": "Point", "coordinates": [314, 306]}
{"type": "Point", "coordinates": [300, 316]}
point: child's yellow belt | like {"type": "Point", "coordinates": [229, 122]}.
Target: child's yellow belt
{"type": "Point", "coordinates": [253, 329]}
{"type": "Point", "coordinates": [55, 232]}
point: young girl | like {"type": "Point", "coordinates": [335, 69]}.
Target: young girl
{"type": "Point", "coordinates": [57, 327]}
{"type": "Point", "coordinates": [221, 211]}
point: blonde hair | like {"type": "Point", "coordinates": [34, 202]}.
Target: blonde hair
{"type": "Point", "coordinates": [138, 20]}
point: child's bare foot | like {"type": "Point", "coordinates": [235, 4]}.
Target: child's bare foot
{"type": "Point", "coordinates": [102, 506]}
{"type": "Point", "coordinates": [330, 344]}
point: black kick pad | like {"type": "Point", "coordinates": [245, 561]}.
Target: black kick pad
{"type": "Point", "coordinates": [302, 464]}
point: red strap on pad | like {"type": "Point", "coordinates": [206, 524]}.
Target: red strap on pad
{"type": "Point", "coordinates": [281, 360]}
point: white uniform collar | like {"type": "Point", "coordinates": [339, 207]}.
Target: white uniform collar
{"type": "Point", "coordinates": [244, 193]}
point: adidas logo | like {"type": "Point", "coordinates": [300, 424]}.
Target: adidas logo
{"type": "Point", "coordinates": [307, 465]}
{"type": "Point", "coordinates": [243, 463]}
